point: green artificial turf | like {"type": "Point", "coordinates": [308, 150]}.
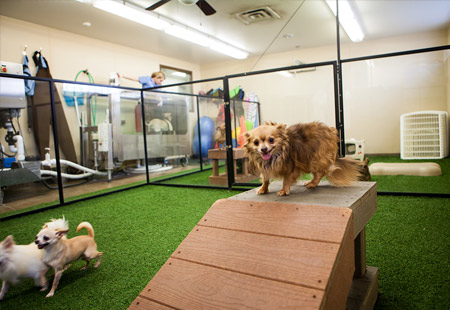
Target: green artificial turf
{"type": "Point", "coordinates": [200, 178]}
{"type": "Point", "coordinates": [412, 184]}
{"type": "Point", "coordinates": [407, 239]}
{"type": "Point", "coordinates": [138, 229]}
{"type": "Point", "coordinates": [385, 183]}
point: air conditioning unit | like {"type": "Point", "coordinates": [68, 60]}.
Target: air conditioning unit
{"type": "Point", "coordinates": [424, 135]}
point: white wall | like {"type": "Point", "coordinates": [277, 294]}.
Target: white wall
{"type": "Point", "coordinates": [376, 92]}
{"type": "Point", "coordinates": [69, 53]}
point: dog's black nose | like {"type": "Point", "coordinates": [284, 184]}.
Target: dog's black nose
{"type": "Point", "coordinates": [264, 149]}
{"type": "Point", "coordinates": [37, 241]}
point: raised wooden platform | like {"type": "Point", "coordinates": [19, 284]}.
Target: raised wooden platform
{"type": "Point", "coordinates": [222, 178]}
{"type": "Point", "coordinates": [361, 198]}
{"type": "Point", "coordinates": [303, 251]}
{"type": "Point", "coordinates": [259, 255]}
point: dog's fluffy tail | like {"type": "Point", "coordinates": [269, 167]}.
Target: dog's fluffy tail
{"type": "Point", "coordinates": [89, 228]}
{"type": "Point", "coordinates": [345, 171]}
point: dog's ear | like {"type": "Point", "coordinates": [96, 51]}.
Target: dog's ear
{"type": "Point", "coordinates": [281, 126]}
{"type": "Point", "coordinates": [8, 242]}
{"type": "Point", "coordinates": [61, 232]}
{"type": "Point", "coordinates": [247, 139]}
{"type": "Point", "coordinates": [270, 123]}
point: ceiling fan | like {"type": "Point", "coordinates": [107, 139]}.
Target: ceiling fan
{"type": "Point", "coordinates": [202, 4]}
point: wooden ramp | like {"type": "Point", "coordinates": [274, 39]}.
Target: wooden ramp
{"type": "Point", "coordinates": [259, 255]}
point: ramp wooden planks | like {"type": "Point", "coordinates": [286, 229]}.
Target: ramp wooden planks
{"type": "Point", "coordinates": [361, 198]}
{"type": "Point", "coordinates": [258, 255]}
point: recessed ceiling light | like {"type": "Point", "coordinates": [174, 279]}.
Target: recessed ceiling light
{"type": "Point", "coordinates": [188, 2]}
{"type": "Point", "coordinates": [86, 24]}
{"type": "Point", "coordinates": [288, 35]}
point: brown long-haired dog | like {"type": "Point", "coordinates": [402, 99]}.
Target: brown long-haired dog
{"type": "Point", "coordinates": [275, 151]}
{"type": "Point", "coordinates": [220, 136]}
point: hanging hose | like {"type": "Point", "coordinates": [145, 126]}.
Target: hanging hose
{"type": "Point", "coordinates": [94, 106]}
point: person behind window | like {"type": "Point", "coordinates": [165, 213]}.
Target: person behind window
{"type": "Point", "coordinates": [146, 81]}
{"type": "Point", "coordinates": [154, 103]}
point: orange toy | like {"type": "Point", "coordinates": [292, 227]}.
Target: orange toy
{"type": "Point", "coordinates": [241, 137]}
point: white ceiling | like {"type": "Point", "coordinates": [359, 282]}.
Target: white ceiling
{"type": "Point", "coordinates": [310, 23]}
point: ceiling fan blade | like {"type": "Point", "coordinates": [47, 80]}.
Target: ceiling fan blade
{"type": "Point", "coordinates": [157, 5]}
{"type": "Point", "coordinates": [205, 7]}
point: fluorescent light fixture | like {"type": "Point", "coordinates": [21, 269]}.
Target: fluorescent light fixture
{"type": "Point", "coordinates": [170, 27]}
{"type": "Point", "coordinates": [347, 19]}
{"type": "Point", "coordinates": [188, 35]}
{"type": "Point", "coordinates": [131, 13]}
{"type": "Point", "coordinates": [179, 74]}
{"type": "Point", "coordinates": [226, 49]}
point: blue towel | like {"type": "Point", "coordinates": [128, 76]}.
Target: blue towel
{"type": "Point", "coordinates": [29, 84]}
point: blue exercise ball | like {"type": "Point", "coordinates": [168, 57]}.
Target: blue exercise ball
{"type": "Point", "coordinates": [207, 130]}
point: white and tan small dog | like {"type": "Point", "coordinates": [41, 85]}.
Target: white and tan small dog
{"type": "Point", "coordinates": [20, 261]}
{"type": "Point", "coordinates": [59, 251]}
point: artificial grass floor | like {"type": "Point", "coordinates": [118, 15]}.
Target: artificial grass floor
{"type": "Point", "coordinates": [412, 184]}
{"type": "Point", "coordinates": [407, 239]}
{"type": "Point", "coordinates": [196, 177]}
{"type": "Point", "coordinates": [385, 183]}
{"type": "Point", "coordinates": [138, 229]}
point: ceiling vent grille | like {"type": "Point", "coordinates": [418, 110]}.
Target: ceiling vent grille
{"type": "Point", "coordinates": [257, 15]}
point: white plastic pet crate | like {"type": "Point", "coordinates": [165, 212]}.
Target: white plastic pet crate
{"type": "Point", "coordinates": [424, 135]}
{"type": "Point", "coordinates": [355, 148]}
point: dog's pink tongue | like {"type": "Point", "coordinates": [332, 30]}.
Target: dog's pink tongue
{"type": "Point", "coordinates": [266, 156]}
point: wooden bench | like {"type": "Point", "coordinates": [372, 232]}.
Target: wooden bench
{"type": "Point", "coordinates": [268, 252]}
{"type": "Point", "coordinates": [222, 178]}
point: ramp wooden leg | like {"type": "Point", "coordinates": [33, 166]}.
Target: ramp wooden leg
{"type": "Point", "coordinates": [364, 292]}
{"type": "Point", "coordinates": [360, 254]}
